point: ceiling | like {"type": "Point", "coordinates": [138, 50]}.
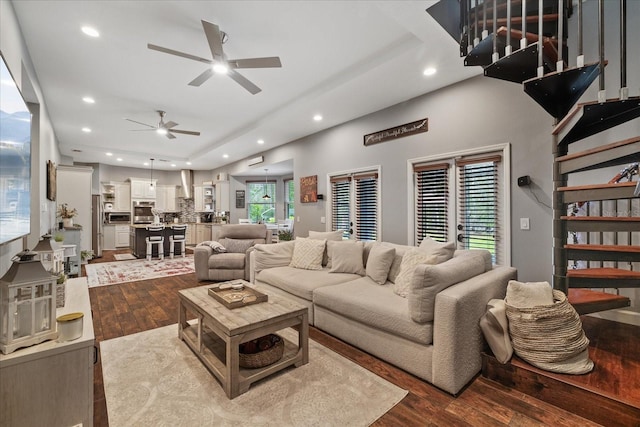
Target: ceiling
{"type": "Point", "coordinates": [340, 59]}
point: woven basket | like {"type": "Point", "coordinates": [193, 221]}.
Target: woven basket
{"type": "Point", "coordinates": [263, 358]}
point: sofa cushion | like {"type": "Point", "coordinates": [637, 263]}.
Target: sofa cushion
{"type": "Point", "coordinates": [236, 246]}
{"type": "Point", "coordinates": [307, 254]}
{"type": "Point", "coordinates": [346, 257]}
{"type": "Point", "coordinates": [375, 306]}
{"type": "Point", "coordinates": [443, 251]}
{"type": "Point", "coordinates": [429, 280]}
{"type": "Point", "coordinates": [379, 262]}
{"type": "Point", "coordinates": [275, 255]}
{"type": "Point", "coordinates": [300, 282]}
{"type": "Point", "coordinates": [227, 261]}
{"type": "Point", "coordinates": [410, 260]}
{"type": "Point", "coordinates": [395, 265]}
{"type": "Point", "coordinates": [333, 236]}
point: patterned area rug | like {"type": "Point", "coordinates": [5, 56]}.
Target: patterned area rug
{"type": "Point", "coordinates": [152, 378]}
{"type": "Point", "coordinates": [123, 257]}
{"type": "Point", "coordinates": [111, 273]}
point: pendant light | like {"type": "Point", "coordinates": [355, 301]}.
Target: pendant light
{"type": "Point", "coordinates": [266, 196]}
{"type": "Point", "coordinates": [151, 180]}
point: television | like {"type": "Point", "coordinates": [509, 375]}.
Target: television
{"type": "Point", "coordinates": [15, 159]}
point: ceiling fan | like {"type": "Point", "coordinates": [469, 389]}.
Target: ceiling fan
{"type": "Point", "coordinates": [220, 63]}
{"type": "Point", "coordinates": [165, 128]}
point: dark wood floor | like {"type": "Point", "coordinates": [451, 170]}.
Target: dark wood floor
{"type": "Point", "coordinates": [124, 309]}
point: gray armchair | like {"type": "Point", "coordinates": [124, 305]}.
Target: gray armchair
{"type": "Point", "coordinates": [213, 266]}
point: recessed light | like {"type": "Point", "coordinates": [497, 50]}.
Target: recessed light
{"type": "Point", "coordinates": [220, 69]}
{"type": "Point", "coordinates": [89, 100]}
{"type": "Point", "coordinates": [261, 141]}
{"type": "Point", "coordinates": [145, 164]}
{"type": "Point", "coordinates": [173, 165]}
{"type": "Point", "coordinates": [226, 156]}
{"type": "Point", "coordinates": [109, 154]}
{"type": "Point", "coordinates": [189, 163]}
{"type": "Point", "coordinates": [119, 159]}
{"type": "Point", "coordinates": [317, 117]}
{"type": "Point", "coordinates": [429, 71]}
{"type": "Point", "coordinates": [86, 130]}
{"type": "Point", "coordinates": [91, 32]}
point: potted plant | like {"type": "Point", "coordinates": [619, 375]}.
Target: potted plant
{"type": "Point", "coordinates": [86, 255]}
{"type": "Point", "coordinates": [67, 214]}
{"type": "Point", "coordinates": [285, 235]}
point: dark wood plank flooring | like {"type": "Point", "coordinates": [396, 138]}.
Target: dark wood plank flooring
{"type": "Point", "coordinates": [124, 309]}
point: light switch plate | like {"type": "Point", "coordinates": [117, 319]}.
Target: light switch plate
{"type": "Point", "coordinates": [524, 223]}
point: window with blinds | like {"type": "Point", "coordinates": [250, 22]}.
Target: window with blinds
{"type": "Point", "coordinates": [432, 201]}
{"type": "Point", "coordinates": [355, 204]}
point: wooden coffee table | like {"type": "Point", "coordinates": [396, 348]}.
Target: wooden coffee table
{"type": "Point", "coordinates": [219, 331]}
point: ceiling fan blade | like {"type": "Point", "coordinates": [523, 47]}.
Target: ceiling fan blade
{"type": "Point", "coordinates": [244, 82]}
{"type": "Point", "coordinates": [215, 41]}
{"type": "Point", "coordinates": [170, 135]}
{"type": "Point", "coordinates": [185, 132]}
{"type": "Point", "coordinates": [170, 124]}
{"type": "Point", "coordinates": [202, 78]}
{"type": "Point", "coordinates": [140, 123]}
{"type": "Point", "coordinates": [267, 62]}
{"type": "Point", "coordinates": [178, 53]}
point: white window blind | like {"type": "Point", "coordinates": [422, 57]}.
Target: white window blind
{"type": "Point", "coordinates": [366, 206]}
{"type": "Point", "coordinates": [355, 204]}
{"type": "Point", "coordinates": [341, 204]}
{"type": "Point", "coordinates": [432, 201]}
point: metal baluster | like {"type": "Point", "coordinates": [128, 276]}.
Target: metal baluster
{"type": "Point", "coordinates": [507, 49]}
{"type": "Point", "coordinates": [540, 35]}
{"type": "Point", "coordinates": [560, 62]}
{"type": "Point", "coordinates": [523, 40]}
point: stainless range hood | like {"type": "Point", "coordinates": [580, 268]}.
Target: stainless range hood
{"type": "Point", "coordinates": [186, 176]}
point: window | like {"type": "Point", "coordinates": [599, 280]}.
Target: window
{"type": "Point", "coordinates": [463, 198]}
{"type": "Point", "coordinates": [289, 203]}
{"type": "Point", "coordinates": [355, 204]}
{"type": "Point", "coordinates": [259, 209]}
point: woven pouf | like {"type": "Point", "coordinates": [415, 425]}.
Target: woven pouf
{"type": "Point", "coordinates": [550, 336]}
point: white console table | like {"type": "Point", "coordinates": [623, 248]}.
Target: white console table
{"type": "Point", "coordinates": [52, 383]}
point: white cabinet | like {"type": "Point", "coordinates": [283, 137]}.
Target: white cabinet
{"type": "Point", "coordinates": [203, 233]}
{"type": "Point", "coordinates": [141, 188]}
{"type": "Point", "coordinates": [203, 198]}
{"type": "Point", "coordinates": [122, 200]}
{"type": "Point", "coordinates": [223, 198]}
{"type": "Point", "coordinates": [166, 200]}
{"type": "Point", "coordinates": [109, 237]}
{"type": "Point", "coordinates": [191, 234]}
{"type": "Point", "coordinates": [122, 236]}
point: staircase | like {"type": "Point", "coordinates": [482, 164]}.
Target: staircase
{"type": "Point", "coordinates": [524, 42]}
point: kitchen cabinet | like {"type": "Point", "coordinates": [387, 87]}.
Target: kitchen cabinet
{"type": "Point", "coordinates": [122, 236]}
{"type": "Point", "coordinates": [51, 384]}
{"type": "Point", "coordinates": [72, 236]}
{"type": "Point", "coordinates": [122, 200]}
{"type": "Point", "coordinates": [109, 237]}
{"type": "Point", "coordinates": [191, 235]}
{"type": "Point", "coordinates": [203, 198]}
{"type": "Point", "coordinates": [223, 199]}
{"type": "Point", "coordinates": [140, 188]}
{"type": "Point", "coordinates": [166, 198]}
{"type": "Point", "coordinates": [203, 232]}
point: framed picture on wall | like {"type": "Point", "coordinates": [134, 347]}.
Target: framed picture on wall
{"type": "Point", "coordinates": [51, 181]}
{"type": "Point", "coordinates": [309, 189]}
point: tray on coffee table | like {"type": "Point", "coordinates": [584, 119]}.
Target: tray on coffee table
{"type": "Point", "coordinates": [234, 298]}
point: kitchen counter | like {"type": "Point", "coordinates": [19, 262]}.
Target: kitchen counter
{"type": "Point", "coordinates": [139, 244]}
{"type": "Point", "coordinates": [166, 225]}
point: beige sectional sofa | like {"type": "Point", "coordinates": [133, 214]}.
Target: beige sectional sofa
{"type": "Point", "coordinates": [431, 331]}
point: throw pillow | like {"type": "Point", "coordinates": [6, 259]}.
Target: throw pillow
{"type": "Point", "coordinates": [443, 251]}
{"type": "Point", "coordinates": [269, 256]}
{"type": "Point", "coordinates": [307, 254]}
{"type": "Point", "coordinates": [379, 263]}
{"type": "Point", "coordinates": [346, 257]}
{"type": "Point", "coordinates": [334, 236]}
{"type": "Point", "coordinates": [237, 246]}
{"type": "Point", "coordinates": [528, 294]}
{"type": "Point", "coordinates": [216, 246]}
{"type": "Point", "coordinates": [495, 327]}
{"type": "Point", "coordinates": [410, 260]}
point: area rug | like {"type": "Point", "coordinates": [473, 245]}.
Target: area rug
{"type": "Point", "coordinates": [153, 379]}
{"type": "Point", "coordinates": [111, 273]}
{"type": "Point", "coordinates": [123, 257]}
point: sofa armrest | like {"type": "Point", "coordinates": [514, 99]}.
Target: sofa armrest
{"type": "Point", "coordinates": [201, 256]}
{"type": "Point", "coordinates": [457, 338]}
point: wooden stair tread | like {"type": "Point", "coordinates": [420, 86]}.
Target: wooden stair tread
{"type": "Point", "coordinates": [587, 301]}
{"type": "Point", "coordinates": [549, 45]}
{"type": "Point", "coordinates": [599, 149]}
{"type": "Point", "coordinates": [604, 273]}
{"type": "Point", "coordinates": [598, 186]}
{"type": "Point", "coordinates": [608, 248]}
{"type": "Point", "coordinates": [602, 218]}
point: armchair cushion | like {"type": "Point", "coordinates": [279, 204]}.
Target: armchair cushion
{"type": "Point", "coordinates": [227, 261]}
{"type": "Point", "coordinates": [237, 246]}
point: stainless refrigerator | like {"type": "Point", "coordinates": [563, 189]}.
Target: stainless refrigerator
{"type": "Point", "coordinates": [97, 220]}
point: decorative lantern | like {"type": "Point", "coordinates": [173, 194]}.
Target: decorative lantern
{"type": "Point", "coordinates": [27, 304]}
{"type": "Point", "coordinates": [51, 254]}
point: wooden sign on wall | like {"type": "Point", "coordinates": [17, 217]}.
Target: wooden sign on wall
{"type": "Point", "coordinates": [309, 189]}
{"type": "Point", "coordinates": [408, 129]}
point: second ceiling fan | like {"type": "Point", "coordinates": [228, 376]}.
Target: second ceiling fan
{"type": "Point", "coordinates": [220, 63]}
{"type": "Point", "coordinates": [167, 128]}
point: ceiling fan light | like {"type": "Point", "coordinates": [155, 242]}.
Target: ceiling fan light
{"type": "Point", "coordinates": [161, 131]}
{"type": "Point", "coordinates": [220, 68]}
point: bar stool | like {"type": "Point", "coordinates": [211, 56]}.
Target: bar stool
{"type": "Point", "coordinates": [178, 237]}
{"type": "Point", "coordinates": [155, 236]}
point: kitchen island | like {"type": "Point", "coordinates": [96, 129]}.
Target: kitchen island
{"type": "Point", "coordinates": [138, 234]}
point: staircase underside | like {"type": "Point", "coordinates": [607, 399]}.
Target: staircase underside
{"type": "Point", "coordinates": [616, 153]}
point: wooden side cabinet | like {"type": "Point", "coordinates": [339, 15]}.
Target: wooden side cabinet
{"type": "Point", "coordinates": [51, 384]}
